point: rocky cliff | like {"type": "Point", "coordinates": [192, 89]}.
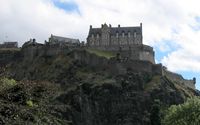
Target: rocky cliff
{"type": "Point", "coordinates": [55, 88]}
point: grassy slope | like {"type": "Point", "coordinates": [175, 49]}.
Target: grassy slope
{"type": "Point", "coordinates": [101, 53]}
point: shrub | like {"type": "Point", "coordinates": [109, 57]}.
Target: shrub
{"type": "Point", "coordinates": [29, 103]}
{"type": "Point", "coordinates": [184, 114]}
{"type": "Point", "coordinates": [6, 83]}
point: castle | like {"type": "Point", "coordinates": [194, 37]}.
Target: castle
{"type": "Point", "coordinates": [63, 41]}
{"type": "Point", "coordinates": [128, 41]}
{"type": "Point", "coordinates": [125, 43]}
{"type": "Point", "coordinates": [9, 45]}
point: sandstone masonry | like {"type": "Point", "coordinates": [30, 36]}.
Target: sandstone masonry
{"type": "Point", "coordinates": [127, 41]}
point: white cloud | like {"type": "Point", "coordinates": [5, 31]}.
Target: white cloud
{"type": "Point", "coordinates": [163, 20]}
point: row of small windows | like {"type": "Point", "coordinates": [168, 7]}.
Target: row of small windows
{"type": "Point", "coordinates": [117, 35]}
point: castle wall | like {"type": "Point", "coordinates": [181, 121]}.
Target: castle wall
{"type": "Point", "coordinates": [109, 40]}
{"type": "Point", "coordinates": [114, 41]}
{"type": "Point", "coordinates": [157, 69]}
{"type": "Point", "coordinates": [116, 67]}
{"type": "Point", "coordinates": [147, 53]}
{"type": "Point", "coordinates": [114, 36]}
{"type": "Point", "coordinates": [7, 56]}
{"type": "Point", "coordinates": [134, 65]}
{"type": "Point", "coordinates": [33, 50]}
{"type": "Point", "coordinates": [135, 52]}
{"type": "Point", "coordinates": [105, 36]}
{"type": "Point", "coordinates": [178, 78]}
{"type": "Point", "coordinates": [123, 40]}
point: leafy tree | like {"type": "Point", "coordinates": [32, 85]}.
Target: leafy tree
{"type": "Point", "coordinates": [184, 114]}
{"type": "Point", "coordinates": [155, 113]}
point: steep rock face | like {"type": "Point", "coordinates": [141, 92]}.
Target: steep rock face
{"type": "Point", "coordinates": [125, 102]}
{"type": "Point", "coordinates": [7, 56]}
{"type": "Point", "coordinates": [93, 95]}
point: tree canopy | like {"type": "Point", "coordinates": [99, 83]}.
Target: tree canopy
{"type": "Point", "coordinates": [187, 113]}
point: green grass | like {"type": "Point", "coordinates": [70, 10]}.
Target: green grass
{"type": "Point", "coordinates": [154, 83]}
{"type": "Point", "coordinates": [10, 49]}
{"type": "Point", "coordinates": [101, 53]}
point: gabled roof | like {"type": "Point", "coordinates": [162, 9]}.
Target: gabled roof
{"type": "Point", "coordinates": [120, 30]}
{"type": "Point", "coordinates": [64, 39]}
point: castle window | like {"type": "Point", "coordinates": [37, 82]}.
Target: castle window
{"type": "Point", "coordinates": [129, 34]}
{"type": "Point", "coordinates": [97, 35]}
{"type": "Point", "coordinates": [117, 34]}
{"type": "Point", "coordinates": [135, 34]}
{"type": "Point", "coordinates": [147, 53]}
{"type": "Point", "coordinates": [123, 34]}
{"type": "Point", "coordinates": [92, 35]}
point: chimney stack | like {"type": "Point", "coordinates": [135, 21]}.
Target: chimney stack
{"type": "Point", "coordinates": [118, 25]}
{"type": "Point", "coordinates": [141, 25]}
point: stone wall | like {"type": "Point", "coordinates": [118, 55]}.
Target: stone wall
{"type": "Point", "coordinates": [121, 66]}
{"type": "Point", "coordinates": [178, 78]}
{"type": "Point", "coordinates": [111, 36]}
{"type": "Point", "coordinates": [33, 50]}
{"type": "Point", "coordinates": [135, 52]}
{"type": "Point", "coordinates": [9, 45]}
{"type": "Point", "coordinates": [111, 40]}
{"type": "Point", "coordinates": [7, 56]}
{"type": "Point", "coordinates": [115, 66]}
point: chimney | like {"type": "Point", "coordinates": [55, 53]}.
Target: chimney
{"type": "Point", "coordinates": [90, 26]}
{"type": "Point", "coordinates": [141, 25]}
{"type": "Point", "coordinates": [110, 25]}
{"type": "Point", "coordinates": [101, 25]}
{"type": "Point", "coordinates": [141, 30]}
{"type": "Point", "coordinates": [118, 25]}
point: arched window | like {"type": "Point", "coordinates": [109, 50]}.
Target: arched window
{"type": "Point", "coordinates": [92, 35]}
{"type": "Point", "coordinates": [97, 35]}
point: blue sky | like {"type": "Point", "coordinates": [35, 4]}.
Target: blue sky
{"type": "Point", "coordinates": [68, 6]}
{"type": "Point", "coordinates": [172, 27]}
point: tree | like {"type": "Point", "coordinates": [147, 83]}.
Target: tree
{"type": "Point", "coordinates": [155, 113]}
{"type": "Point", "coordinates": [187, 113]}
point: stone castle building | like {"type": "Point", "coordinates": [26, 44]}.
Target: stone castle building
{"type": "Point", "coordinates": [63, 41]}
{"type": "Point", "coordinates": [128, 41]}
{"type": "Point", "coordinates": [9, 45]}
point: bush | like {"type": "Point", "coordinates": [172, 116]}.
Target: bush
{"type": "Point", "coordinates": [155, 113]}
{"type": "Point", "coordinates": [184, 114]}
{"type": "Point", "coordinates": [6, 83]}
{"type": "Point", "coordinates": [29, 103]}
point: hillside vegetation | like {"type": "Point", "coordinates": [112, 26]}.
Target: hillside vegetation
{"type": "Point", "coordinates": [60, 90]}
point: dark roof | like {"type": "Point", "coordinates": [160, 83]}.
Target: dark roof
{"type": "Point", "coordinates": [64, 39]}
{"type": "Point", "coordinates": [119, 30]}
{"type": "Point", "coordinates": [10, 43]}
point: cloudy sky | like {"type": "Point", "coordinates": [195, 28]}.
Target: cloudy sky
{"type": "Point", "coordinates": [172, 27]}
